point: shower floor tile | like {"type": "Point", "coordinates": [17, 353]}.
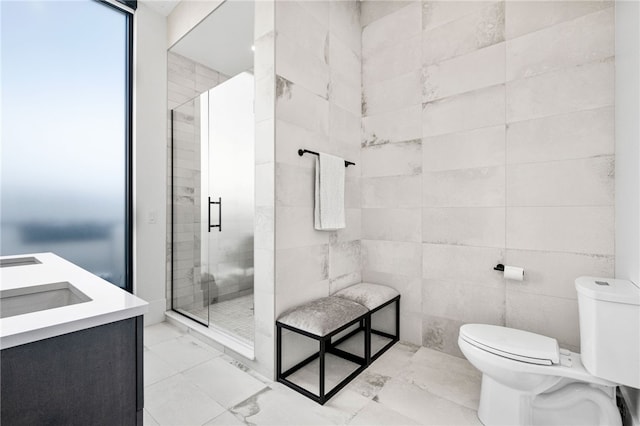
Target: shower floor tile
{"type": "Point", "coordinates": [234, 315]}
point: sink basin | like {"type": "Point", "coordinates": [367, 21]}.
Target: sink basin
{"type": "Point", "coordinates": [19, 261]}
{"type": "Point", "coordinates": [39, 298]}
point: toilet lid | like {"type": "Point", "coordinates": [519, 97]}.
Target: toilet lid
{"type": "Point", "coordinates": [510, 343]}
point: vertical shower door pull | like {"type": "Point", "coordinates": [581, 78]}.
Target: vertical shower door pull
{"type": "Point", "coordinates": [219, 203]}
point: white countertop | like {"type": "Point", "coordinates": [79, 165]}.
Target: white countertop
{"type": "Point", "coordinates": [108, 303]}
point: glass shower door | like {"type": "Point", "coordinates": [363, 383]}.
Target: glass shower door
{"type": "Point", "coordinates": [213, 207]}
{"type": "Point", "coordinates": [227, 212]}
{"type": "Point", "coordinates": [189, 285]}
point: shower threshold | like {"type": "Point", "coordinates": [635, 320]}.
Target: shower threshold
{"type": "Point", "coordinates": [216, 337]}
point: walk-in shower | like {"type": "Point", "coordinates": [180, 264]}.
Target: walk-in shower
{"type": "Point", "coordinates": [212, 175]}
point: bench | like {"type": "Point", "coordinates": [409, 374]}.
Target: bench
{"type": "Point", "coordinates": [342, 316]}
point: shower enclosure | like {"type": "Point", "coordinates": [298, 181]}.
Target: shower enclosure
{"type": "Point", "coordinates": [212, 184]}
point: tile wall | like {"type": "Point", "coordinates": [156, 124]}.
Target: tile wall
{"type": "Point", "coordinates": [487, 137]}
{"type": "Point", "coordinates": [317, 107]}
{"type": "Point", "coordinates": [264, 235]}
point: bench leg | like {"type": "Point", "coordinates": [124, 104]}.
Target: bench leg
{"type": "Point", "coordinates": [323, 350]}
{"type": "Point", "coordinates": [367, 340]}
{"type": "Point", "coordinates": [278, 352]}
{"type": "Point", "coordinates": [397, 319]}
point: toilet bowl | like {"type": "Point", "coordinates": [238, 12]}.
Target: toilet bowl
{"type": "Point", "coordinates": [528, 380]}
{"type": "Point", "coordinates": [524, 385]}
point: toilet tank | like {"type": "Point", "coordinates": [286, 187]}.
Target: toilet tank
{"type": "Point", "coordinates": [610, 328]}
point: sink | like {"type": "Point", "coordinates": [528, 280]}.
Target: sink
{"type": "Point", "coordinates": [19, 261]}
{"type": "Point", "coordinates": [39, 298]}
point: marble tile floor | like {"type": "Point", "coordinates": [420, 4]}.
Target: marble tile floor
{"type": "Point", "coordinates": [190, 383]}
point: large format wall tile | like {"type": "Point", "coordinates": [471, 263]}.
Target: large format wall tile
{"type": "Point", "coordinates": [392, 159]}
{"type": "Point", "coordinates": [292, 137]}
{"type": "Point", "coordinates": [372, 10]}
{"type": "Point", "coordinates": [469, 304]}
{"type": "Point", "coordinates": [580, 134]}
{"type": "Point", "coordinates": [472, 32]}
{"type": "Point", "coordinates": [353, 230]}
{"type": "Point", "coordinates": [393, 61]}
{"type": "Point", "coordinates": [586, 39]}
{"type": "Point", "coordinates": [523, 17]}
{"type": "Point", "coordinates": [391, 224]}
{"type": "Point", "coordinates": [392, 257]}
{"type": "Point", "coordinates": [402, 24]}
{"type": "Point", "coordinates": [396, 126]}
{"type": "Point", "coordinates": [295, 22]}
{"type": "Point", "coordinates": [392, 94]}
{"type": "Point", "coordinates": [299, 106]}
{"type": "Point", "coordinates": [345, 70]}
{"type": "Point", "coordinates": [588, 230]}
{"type": "Point", "coordinates": [391, 192]}
{"type": "Point", "coordinates": [319, 9]}
{"type": "Point", "coordinates": [588, 86]}
{"type": "Point", "coordinates": [441, 334]}
{"type": "Point", "coordinates": [344, 129]}
{"type": "Point", "coordinates": [472, 110]}
{"type": "Point", "coordinates": [554, 273]}
{"type": "Point", "coordinates": [471, 226]}
{"type": "Point", "coordinates": [265, 96]}
{"type": "Point", "coordinates": [294, 186]}
{"type": "Point", "coordinates": [264, 152]}
{"type": "Point", "coordinates": [437, 13]}
{"type": "Point", "coordinates": [344, 258]}
{"type": "Point", "coordinates": [579, 182]}
{"type": "Point", "coordinates": [462, 264]}
{"type": "Point", "coordinates": [464, 188]}
{"type": "Point", "coordinates": [302, 272]}
{"type": "Point", "coordinates": [301, 66]}
{"type": "Point", "coordinates": [555, 317]}
{"type": "Point", "coordinates": [483, 147]}
{"type": "Point", "coordinates": [476, 70]}
{"type": "Point", "coordinates": [295, 228]}
{"type": "Point", "coordinates": [344, 23]}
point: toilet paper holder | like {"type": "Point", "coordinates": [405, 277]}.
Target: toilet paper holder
{"type": "Point", "coordinates": [499, 267]}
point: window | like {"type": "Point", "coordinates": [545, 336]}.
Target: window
{"type": "Point", "coordinates": [66, 134]}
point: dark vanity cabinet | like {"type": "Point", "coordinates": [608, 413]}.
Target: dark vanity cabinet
{"type": "Point", "coordinates": [88, 377]}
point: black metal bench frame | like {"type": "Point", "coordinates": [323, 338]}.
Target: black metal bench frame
{"type": "Point", "coordinates": [327, 346]}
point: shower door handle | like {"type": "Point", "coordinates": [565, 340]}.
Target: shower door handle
{"type": "Point", "coordinates": [219, 203]}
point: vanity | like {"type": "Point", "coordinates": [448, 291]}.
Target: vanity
{"type": "Point", "coordinates": [71, 345]}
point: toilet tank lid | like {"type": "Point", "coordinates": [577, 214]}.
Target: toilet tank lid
{"type": "Point", "coordinates": [609, 289]}
{"type": "Point", "coordinates": [513, 343]}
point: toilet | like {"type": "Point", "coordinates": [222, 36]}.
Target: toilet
{"type": "Point", "coordinates": [527, 379]}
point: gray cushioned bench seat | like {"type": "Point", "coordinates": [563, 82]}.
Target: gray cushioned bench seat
{"type": "Point", "coordinates": [322, 316]}
{"type": "Point", "coordinates": [368, 295]}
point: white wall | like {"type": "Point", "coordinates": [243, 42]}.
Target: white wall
{"type": "Point", "coordinates": [627, 137]}
{"type": "Point", "coordinates": [628, 155]}
{"type": "Point", "coordinates": [185, 16]}
{"type": "Point", "coordinates": [150, 158]}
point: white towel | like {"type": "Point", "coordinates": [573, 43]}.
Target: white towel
{"type": "Point", "coordinates": [329, 197]}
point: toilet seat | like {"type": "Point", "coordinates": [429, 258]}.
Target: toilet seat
{"type": "Point", "coordinates": [507, 361]}
{"type": "Point", "coordinates": [517, 345]}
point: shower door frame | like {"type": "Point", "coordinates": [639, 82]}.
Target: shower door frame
{"type": "Point", "coordinates": [173, 307]}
